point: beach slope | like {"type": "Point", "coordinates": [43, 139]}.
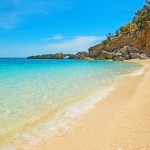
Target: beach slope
{"type": "Point", "coordinates": [120, 122]}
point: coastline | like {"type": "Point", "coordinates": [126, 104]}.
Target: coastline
{"type": "Point", "coordinates": [120, 121]}
{"type": "Point", "coordinates": [56, 97]}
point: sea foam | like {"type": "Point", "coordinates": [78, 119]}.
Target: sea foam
{"type": "Point", "coordinates": [139, 72]}
{"type": "Point", "coordinates": [63, 121]}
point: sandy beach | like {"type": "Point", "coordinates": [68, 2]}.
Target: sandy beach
{"type": "Point", "coordinates": [74, 75]}
{"type": "Point", "coordinates": [121, 121]}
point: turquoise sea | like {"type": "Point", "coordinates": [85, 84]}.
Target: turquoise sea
{"type": "Point", "coordinates": [42, 96]}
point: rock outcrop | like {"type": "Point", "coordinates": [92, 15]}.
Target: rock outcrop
{"type": "Point", "coordinates": [104, 55]}
{"type": "Point", "coordinates": [137, 42]}
{"type": "Point", "coordinates": [48, 56]}
{"type": "Point", "coordinates": [79, 56]}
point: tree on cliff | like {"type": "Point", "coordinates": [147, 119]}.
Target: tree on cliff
{"type": "Point", "coordinates": [109, 36]}
{"type": "Point", "coordinates": [125, 28]}
{"type": "Point", "coordinates": [142, 16]}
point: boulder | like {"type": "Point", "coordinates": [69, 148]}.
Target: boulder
{"type": "Point", "coordinates": [124, 50]}
{"type": "Point", "coordinates": [104, 55]}
{"type": "Point", "coordinates": [118, 53]}
{"type": "Point", "coordinates": [118, 58]}
{"type": "Point", "coordinates": [126, 56]}
{"type": "Point", "coordinates": [134, 55]}
{"type": "Point", "coordinates": [148, 55]}
{"type": "Point", "coordinates": [143, 56]}
{"type": "Point", "coordinates": [121, 53]}
{"type": "Point", "coordinates": [95, 51]}
{"type": "Point", "coordinates": [131, 49]}
{"type": "Point", "coordinates": [116, 50]}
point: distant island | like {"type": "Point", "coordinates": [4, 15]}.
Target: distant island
{"type": "Point", "coordinates": [130, 41]}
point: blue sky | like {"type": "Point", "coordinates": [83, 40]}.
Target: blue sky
{"type": "Point", "coordinates": [30, 27]}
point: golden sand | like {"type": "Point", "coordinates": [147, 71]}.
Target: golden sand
{"type": "Point", "coordinates": [120, 122]}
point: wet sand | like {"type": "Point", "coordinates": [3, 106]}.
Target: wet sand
{"type": "Point", "coordinates": [121, 121]}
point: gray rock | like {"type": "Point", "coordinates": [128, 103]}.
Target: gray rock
{"type": "Point", "coordinates": [118, 54]}
{"type": "Point", "coordinates": [148, 55]}
{"type": "Point", "coordinates": [127, 56]}
{"type": "Point", "coordinates": [131, 49]}
{"type": "Point", "coordinates": [124, 50]}
{"type": "Point", "coordinates": [127, 49]}
{"type": "Point", "coordinates": [134, 55]}
{"type": "Point", "coordinates": [118, 58]}
{"type": "Point", "coordinates": [116, 50]}
{"type": "Point", "coordinates": [104, 55]}
{"type": "Point", "coordinates": [143, 56]}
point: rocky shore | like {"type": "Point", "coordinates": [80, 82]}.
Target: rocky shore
{"type": "Point", "coordinates": [128, 45]}
{"type": "Point", "coordinates": [124, 53]}
{"type": "Point", "coordinates": [131, 45]}
{"type": "Point", "coordinates": [78, 56]}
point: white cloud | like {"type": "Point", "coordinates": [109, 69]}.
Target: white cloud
{"type": "Point", "coordinates": [74, 45]}
{"type": "Point", "coordinates": [78, 43]}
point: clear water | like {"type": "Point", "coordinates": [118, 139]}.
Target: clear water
{"type": "Point", "coordinates": [35, 91]}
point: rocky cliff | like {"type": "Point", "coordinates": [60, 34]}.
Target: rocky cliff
{"type": "Point", "coordinates": [139, 39]}
{"type": "Point", "coordinates": [135, 35]}
{"type": "Point", "coordinates": [131, 45]}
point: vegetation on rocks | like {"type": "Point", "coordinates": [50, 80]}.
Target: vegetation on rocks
{"type": "Point", "coordinates": [135, 35]}
{"type": "Point", "coordinates": [140, 20]}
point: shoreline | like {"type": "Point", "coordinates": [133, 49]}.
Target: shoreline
{"type": "Point", "coordinates": [120, 121]}
{"type": "Point", "coordinates": [102, 126]}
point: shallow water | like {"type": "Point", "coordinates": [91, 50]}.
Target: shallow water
{"type": "Point", "coordinates": [36, 91]}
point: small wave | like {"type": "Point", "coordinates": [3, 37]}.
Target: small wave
{"type": "Point", "coordinates": [139, 72]}
{"type": "Point", "coordinates": [61, 123]}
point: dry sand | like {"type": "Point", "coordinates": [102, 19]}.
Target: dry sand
{"type": "Point", "coordinates": [120, 122]}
